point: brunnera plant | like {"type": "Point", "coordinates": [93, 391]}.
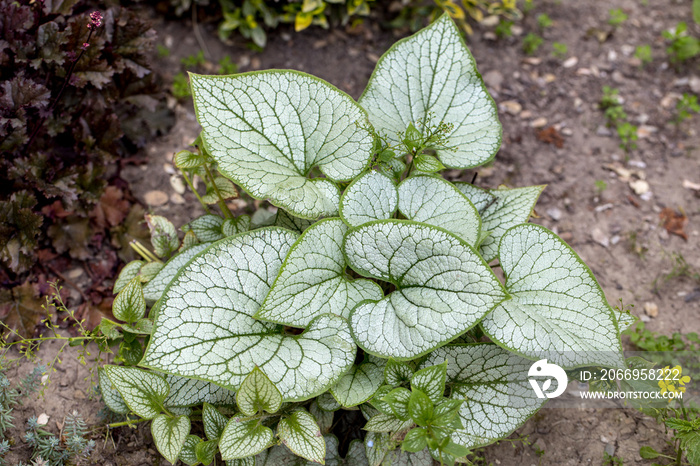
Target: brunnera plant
{"type": "Point", "coordinates": [370, 288]}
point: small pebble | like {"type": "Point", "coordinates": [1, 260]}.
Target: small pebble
{"type": "Point", "coordinates": [570, 62]}
{"type": "Point", "coordinates": [539, 122]}
{"type": "Point", "coordinates": [615, 239]}
{"type": "Point", "coordinates": [651, 309]}
{"type": "Point", "coordinates": [554, 213]}
{"type": "Point", "coordinates": [43, 419]}
{"type": "Point", "coordinates": [639, 187]}
{"type": "Point", "coordinates": [156, 198]}
{"type": "Point", "coordinates": [603, 131]}
{"type": "Point", "coordinates": [600, 237]}
{"type": "Point", "coordinates": [511, 106]}
{"type": "Point", "coordinates": [176, 198]}
{"type": "Point", "coordinates": [75, 273]}
{"type": "Point", "coordinates": [177, 184]}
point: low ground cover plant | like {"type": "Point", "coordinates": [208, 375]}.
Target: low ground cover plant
{"type": "Point", "coordinates": [367, 285]}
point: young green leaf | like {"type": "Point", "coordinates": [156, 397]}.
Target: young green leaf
{"type": "Point", "coordinates": [557, 311]}
{"type": "Point", "coordinates": [431, 381]}
{"type": "Point", "coordinates": [415, 440]}
{"type": "Point", "coordinates": [234, 226]}
{"type": "Point", "coordinates": [648, 453]}
{"type": "Point", "coordinates": [257, 393]}
{"type": "Point", "coordinates": [358, 385]}
{"type": "Point", "coordinates": [190, 392]}
{"type": "Point", "coordinates": [205, 451]}
{"type": "Point", "coordinates": [130, 305]}
{"type": "Point", "coordinates": [214, 422]}
{"type": "Point", "coordinates": [386, 423]}
{"type": "Point", "coordinates": [144, 392]}
{"type": "Point", "coordinates": [428, 164]}
{"type": "Point", "coordinates": [169, 435]}
{"type": "Point", "coordinates": [110, 395]}
{"type": "Point", "coordinates": [312, 280]}
{"type": "Point", "coordinates": [241, 439]}
{"type": "Point", "coordinates": [282, 124]}
{"type": "Point", "coordinates": [443, 287]}
{"type": "Point", "coordinates": [153, 290]}
{"type": "Point", "coordinates": [420, 407]}
{"type": "Point", "coordinates": [187, 454]}
{"type": "Point", "coordinates": [163, 235]}
{"type": "Point", "coordinates": [438, 202]}
{"type": "Point", "coordinates": [130, 271]}
{"type": "Point", "coordinates": [186, 160]}
{"type": "Point", "coordinates": [205, 329]}
{"type": "Point", "coordinates": [300, 433]}
{"type": "Point", "coordinates": [494, 388]}
{"type": "Point", "coordinates": [372, 196]}
{"type": "Point", "coordinates": [378, 402]}
{"type": "Point", "coordinates": [207, 228]}
{"type": "Point", "coordinates": [398, 400]}
{"type": "Point", "coordinates": [433, 72]}
{"type": "Point", "coordinates": [224, 190]}
{"type": "Point", "coordinates": [502, 209]}
{"type": "Point", "coordinates": [109, 328]}
{"type": "Point", "coordinates": [397, 373]}
{"type": "Point", "coordinates": [150, 270]}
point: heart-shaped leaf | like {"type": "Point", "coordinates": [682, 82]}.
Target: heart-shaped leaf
{"type": "Point", "coordinates": [187, 454]}
{"type": "Point", "coordinates": [397, 373]}
{"type": "Point", "coordinates": [372, 196]}
{"type": "Point", "coordinates": [386, 423]}
{"type": "Point", "coordinates": [143, 392]}
{"type": "Point", "coordinates": [268, 129]}
{"type": "Point", "coordinates": [110, 395]}
{"type": "Point", "coordinates": [206, 228]}
{"type": "Point", "coordinates": [190, 392]}
{"type": "Point", "coordinates": [557, 311]}
{"type": "Point", "coordinates": [130, 305]}
{"type": "Point", "coordinates": [153, 290]}
{"type": "Point", "coordinates": [360, 384]}
{"type": "Point", "coordinates": [312, 280]}
{"type": "Point", "coordinates": [234, 226]}
{"type": "Point", "coordinates": [438, 202]}
{"type": "Point", "coordinates": [432, 72]}
{"type": "Point", "coordinates": [205, 329]}
{"type": "Point", "coordinates": [241, 439]}
{"type": "Point", "coordinates": [300, 433]}
{"type": "Point", "coordinates": [205, 451]}
{"type": "Point", "coordinates": [500, 209]}
{"type": "Point", "coordinates": [169, 434]}
{"type": "Point", "coordinates": [431, 381]}
{"type": "Point", "coordinates": [257, 393]}
{"type": "Point", "coordinates": [443, 287]}
{"type": "Point", "coordinates": [163, 235]}
{"type": "Point", "coordinates": [494, 385]}
{"type": "Point", "coordinates": [214, 422]}
{"type": "Point", "coordinates": [129, 271]}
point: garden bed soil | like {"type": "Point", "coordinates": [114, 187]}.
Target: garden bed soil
{"type": "Point", "coordinates": [553, 134]}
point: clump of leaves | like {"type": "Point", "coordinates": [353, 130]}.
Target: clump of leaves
{"type": "Point", "coordinates": [559, 50]}
{"type": "Point", "coordinates": [615, 116]}
{"type": "Point", "coordinates": [75, 92]}
{"type": "Point", "coordinates": [643, 53]}
{"type": "Point", "coordinates": [683, 47]}
{"type": "Point", "coordinates": [367, 287]}
{"type": "Point", "coordinates": [197, 62]}
{"type": "Point", "coordinates": [616, 17]}
{"type": "Point", "coordinates": [685, 107]}
{"type": "Point", "coordinates": [531, 43]}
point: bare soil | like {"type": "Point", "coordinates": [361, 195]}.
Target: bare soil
{"type": "Point", "coordinates": [590, 198]}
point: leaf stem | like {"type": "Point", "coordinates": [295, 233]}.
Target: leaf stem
{"type": "Point", "coordinates": [199, 198]}
{"type": "Point", "coordinates": [222, 204]}
{"type": "Point", "coordinates": [127, 423]}
{"type": "Point", "coordinates": [142, 251]}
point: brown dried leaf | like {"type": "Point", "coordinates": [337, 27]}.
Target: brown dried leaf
{"type": "Point", "coordinates": [21, 308]}
{"type": "Point", "coordinates": [550, 135]}
{"type": "Point", "coordinates": [111, 209]}
{"type": "Point", "coordinates": [674, 222]}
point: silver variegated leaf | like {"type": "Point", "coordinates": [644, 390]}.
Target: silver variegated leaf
{"type": "Point", "coordinates": [205, 329]}
{"type": "Point", "coordinates": [129, 271]}
{"type": "Point", "coordinates": [268, 129]}
{"type": "Point", "coordinates": [241, 439]}
{"type": "Point", "coordinates": [372, 196]}
{"type": "Point", "coordinates": [110, 395]}
{"type": "Point", "coordinates": [494, 385]}
{"type": "Point", "coordinates": [443, 287]}
{"type": "Point", "coordinates": [312, 280]}
{"type": "Point", "coordinates": [169, 435]}
{"type": "Point", "coordinates": [557, 310]}
{"type": "Point", "coordinates": [438, 202]}
{"type": "Point", "coordinates": [503, 208]}
{"type": "Point", "coordinates": [300, 433]}
{"type": "Point", "coordinates": [153, 290]}
{"type": "Point", "coordinates": [186, 392]}
{"type": "Point", "coordinates": [360, 383]}
{"type": "Point", "coordinates": [432, 72]}
{"type": "Point", "coordinates": [144, 392]}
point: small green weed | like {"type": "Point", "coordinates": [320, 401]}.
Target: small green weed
{"type": "Point", "coordinates": [609, 460]}
{"type": "Point", "coordinates": [627, 132]}
{"type": "Point", "coordinates": [503, 29]}
{"type": "Point", "coordinates": [643, 53]}
{"type": "Point", "coordinates": [559, 50]}
{"type": "Point", "coordinates": [600, 186]}
{"type": "Point", "coordinates": [531, 43]}
{"type": "Point", "coordinates": [683, 47]}
{"type": "Point", "coordinates": [616, 17]}
{"type": "Point", "coordinates": [226, 66]}
{"type": "Point", "coordinates": [181, 86]}
{"type": "Point", "coordinates": [544, 21]}
{"type": "Point", "coordinates": [162, 50]}
{"type": "Point", "coordinates": [651, 341]}
{"type": "Point", "coordinates": [193, 61]}
{"type": "Point", "coordinates": [685, 107]}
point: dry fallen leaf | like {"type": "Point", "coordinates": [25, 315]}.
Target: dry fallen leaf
{"type": "Point", "coordinates": [674, 222]}
{"type": "Point", "coordinates": [550, 135]}
{"type": "Point", "coordinates": [21, 308]}
{"type": "Point", "coordinates": [111, 209]}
